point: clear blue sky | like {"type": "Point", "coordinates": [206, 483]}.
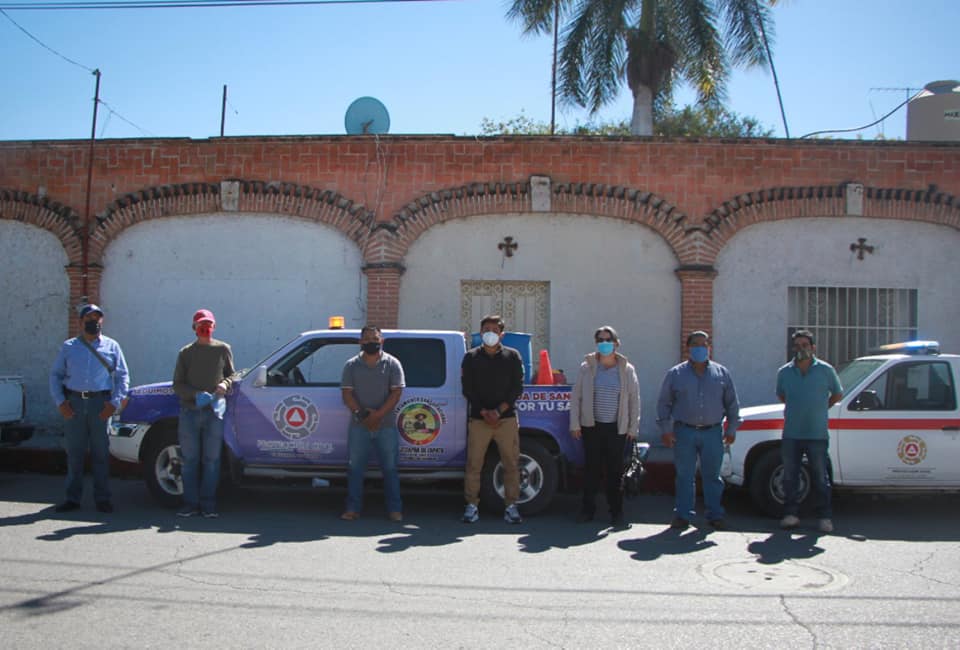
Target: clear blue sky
{"type": "Point", "coordinates": [439, 67]}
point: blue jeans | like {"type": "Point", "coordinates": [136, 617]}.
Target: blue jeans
{"type": "Point", "coordinates": [387, 442]}
{"type": "Point", "coordinates": [818, 462]}
{"type": "Point", "coordinates": [86, 429]}
{"type": "Point", "coordinates": [201, 438]}
{"type": "Point", "coordinates": [708, 446]}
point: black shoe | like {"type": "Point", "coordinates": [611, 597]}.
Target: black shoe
{"type": "Point", "coordinates": [104, 506]}
{"type": "Point", "coordinates": [67, 506]}
{"type": "Point", "coordinates": [584, 517]}
{"type": "Point", "coordinates": [718, 524]}
{"type": "Point", "coordinates": [679, 523]}
{"type": "Point", "coordinates": [617, 521]}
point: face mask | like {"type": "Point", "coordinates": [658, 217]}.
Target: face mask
{"type": "Point", "coordinates": [91, 327]}
{"type": "Point", "coordinates": [490, 339]}
{"type": "Point", "coordinates": [605, 347]}
{"type": "Point", "coordinates": [803, 355]}
{"type": "Point", "coordinates": [699, 354]}
{"type": "Point", "coordinates": [371, 347]}
{"type": "Point", "coordinates": [204, 330]}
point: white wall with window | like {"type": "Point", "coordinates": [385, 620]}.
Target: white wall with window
{"type": "Point", "coordinates": [266, 277]}
{"type": "Point", "coordinates": [778, 276]}
{"type": "Point", "coordinates": [594, 271]}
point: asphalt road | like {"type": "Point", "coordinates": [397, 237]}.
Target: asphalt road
{"type": "Point", "coordinates": [279, 569]}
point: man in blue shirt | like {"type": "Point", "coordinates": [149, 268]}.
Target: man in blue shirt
{"type": "Point", "coordinates": [88, 381]}
{"type": "Point", "coordinates": [694, 399]}
{"type": "Point", "coordinates": [808, 387]}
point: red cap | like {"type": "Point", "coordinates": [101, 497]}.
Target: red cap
{"type": "Point", "coordinates": [202, 315]}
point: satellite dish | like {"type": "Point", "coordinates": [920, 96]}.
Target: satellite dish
{"type": "Point", "coordinates": [366, 116]}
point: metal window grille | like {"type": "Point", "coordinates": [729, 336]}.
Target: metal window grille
{"type": "Point", "coordinates": [849, 321]}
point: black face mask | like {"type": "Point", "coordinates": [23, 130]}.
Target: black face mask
{"type": "Point", "coordinates": [91, 327]}
{"type": "Point", "coordinates": [370, 348]}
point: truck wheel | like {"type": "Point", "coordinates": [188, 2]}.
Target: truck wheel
{"type": "Point", "coordinates": [161, 467]}
{"type": "Point", "coordinates": [766, 483]}
{"type": "Point", "coordinates": [538, 478]}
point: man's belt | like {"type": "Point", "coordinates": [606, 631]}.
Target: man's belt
{"type": "Point", "coordinates": [86, 394]}
{"type": "Point", "coordinates": [699, 427]}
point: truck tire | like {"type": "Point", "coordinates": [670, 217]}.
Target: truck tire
{"type": "Point", "coordinates": [161, 466]}
{"type": "Point", "coordinates": [538, 478]}
{"type": "Point", "coordinates": [766, 483]}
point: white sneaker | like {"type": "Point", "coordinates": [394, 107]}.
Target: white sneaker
{"type": "Point", "coordinates": [790, 521]}
{"type": "Point", "coordinates": [470, 514]}
{"type": "Point", "coordinates": [826, 526]}
{"type": "Point", "coordinates": [511, 515]}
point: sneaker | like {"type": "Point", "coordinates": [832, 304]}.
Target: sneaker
{"type": "Point", "coordinates": [790, 521]}
{"type": "Point", "coordinates": [188, 511]}
{"type": "Point", "coordinates": [826, 526]}
{"type": "Point", "coordinates": [210, 514]}
{"type": "Point", "coordinates": [67, 506]}
{"type": "Point", "coordinates": [618, 521]}
{"type": "Point", "coordinates": [511, 515]}
{"type": "Point", "coordinates": [470, 514]}
{"type": "Point", "coordinates": [679, 523]}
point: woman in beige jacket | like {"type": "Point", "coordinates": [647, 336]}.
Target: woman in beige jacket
{"type": "Point", "coordinates": [604, 414]}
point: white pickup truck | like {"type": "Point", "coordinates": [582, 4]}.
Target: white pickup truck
{"type": "Point", "coordinates": [897, 429]}
{"type": "Point", "coordinates": [13, 402]}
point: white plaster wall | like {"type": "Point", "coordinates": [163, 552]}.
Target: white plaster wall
{"type": "Point", "coordinates": [266, 277]}
{"type": "Point", "coordinates": [760, 262]}
{"type": "Point", "coordinates": [35, 294]}
{"type": "Point", "coordinates": [601, 271]}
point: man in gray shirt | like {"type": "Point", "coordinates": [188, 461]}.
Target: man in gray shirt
{"type": "Point", "coordinates": [371, 385]}
{"type": "Point", "coordinates": [695, 397]}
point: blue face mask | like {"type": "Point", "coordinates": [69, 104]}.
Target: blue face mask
{"type": "Point", "coordinates": [699, 354]}
{"type": "Point", "coordinates": [605, 347]}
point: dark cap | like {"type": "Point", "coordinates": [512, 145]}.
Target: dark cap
{"type": "Point", "coordinates": [86, 309]}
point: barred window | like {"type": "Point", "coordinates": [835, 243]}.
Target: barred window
{"type": "Point", "coordinates": [849, 321]}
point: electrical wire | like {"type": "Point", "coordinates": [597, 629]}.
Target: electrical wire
{"type": "Point", "coordinates": [184, 4]}
{"type": "Point", "coordinates": [866, 126]}
{"type": "Point", "coordinates": [44, 45]}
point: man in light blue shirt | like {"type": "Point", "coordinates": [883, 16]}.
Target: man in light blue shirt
{"type": "Point", "coordinates": [88, 382]}
{"type": "Point", "coordinates": [694, 399]}
{"type": "Point", "coordinates": [808, 387]}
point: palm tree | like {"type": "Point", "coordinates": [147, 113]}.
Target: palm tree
{"type": "Point", "coordinates": [651, 44]}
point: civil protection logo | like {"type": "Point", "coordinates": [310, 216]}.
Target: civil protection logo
{"type": "Point", "coordinates": [912, 450]}
{"type": "Point", "coordinates": [419, 421]}
{"type": "Point", "coordinates": [296, 417]}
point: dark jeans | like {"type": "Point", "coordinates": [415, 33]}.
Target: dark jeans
{"type": "Point", "coordinates": [818, 460]}
{"type": "Point", "coordinates": [200, 433]}
{"type": "Point", "coordinates": [86, 429]}
{"type": "Point", "coordinates": [602, 450]}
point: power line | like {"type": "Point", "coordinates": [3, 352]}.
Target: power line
{"type": "Point", "coordinates": [184, 4]}
{"type": "Point", "coordinates": [866, 126]}
{"type": "Point", "coordinates": [44, 45]}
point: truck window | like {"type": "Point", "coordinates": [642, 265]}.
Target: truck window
{"type": "Point", "coordinates": [317, 362]}
{"type": "Point", "coordinates": [423, 360]}
{"type": "Point", "coordinates": [916, 386]}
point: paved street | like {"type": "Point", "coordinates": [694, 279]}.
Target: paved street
{"type": "Point", "coordinates": [279, 569]}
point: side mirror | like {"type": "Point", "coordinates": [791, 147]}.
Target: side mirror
{"type": "Point", "coordinates": [866, 401]}
{"type": "Point", "coordinates": [260, 377]}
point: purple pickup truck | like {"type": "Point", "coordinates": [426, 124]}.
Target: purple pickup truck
{"type": "Point", "coordinates": [285, 421]}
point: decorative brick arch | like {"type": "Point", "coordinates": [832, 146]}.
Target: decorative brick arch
{"type": "Point", "coordinates": [41, 212]}
{"type": "Point", "coordinates": [826, 201]}
{"type": "Point", "coordinates": [322, 206]}
{"type": "Point", "coordinates": [392, 240]}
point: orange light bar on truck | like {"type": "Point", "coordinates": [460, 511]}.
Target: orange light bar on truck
{"type": "Point", "coordinates": [335, 323]}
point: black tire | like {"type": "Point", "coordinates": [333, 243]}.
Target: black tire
{"type": "Point", "coordinates": [161, 466]}
{"type": "Point", "coordinates": [538, 478]}
{"type": "Point", "coordinates": [766, 483]}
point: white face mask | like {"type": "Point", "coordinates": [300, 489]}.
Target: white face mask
{"type": "Point", "coordinates": [490, 339]}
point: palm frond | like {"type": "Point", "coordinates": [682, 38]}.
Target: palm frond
{"type": "Point", "coordinates": [536, 16]}
{"type": "Point", "coordinates": [745, 23]}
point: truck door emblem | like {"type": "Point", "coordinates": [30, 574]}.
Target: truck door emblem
{"type": "Point", "coordinates": [912, 450]}
{"type": "Point", "coordinates": [418, 421]}
{"type": "Point", "coordinates": [296, 417]}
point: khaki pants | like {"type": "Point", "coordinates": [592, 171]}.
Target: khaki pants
{"type": "Point", "coordinates": [507, 437]}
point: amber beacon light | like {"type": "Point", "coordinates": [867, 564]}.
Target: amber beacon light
{"type": "Point", "coordinates": [336, 322]}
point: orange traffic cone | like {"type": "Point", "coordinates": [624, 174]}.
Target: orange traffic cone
{"type": "Point", "coordinates": [545, 372]}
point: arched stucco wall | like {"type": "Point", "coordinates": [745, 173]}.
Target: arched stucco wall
{"type": "Point", "coordinates": [266, 277]}
{"type": "Point", "coordinates": [602, 271]}
{"type": "Point", "coordinates": [35, 298]}
{"type": "Point", "coordinates": [760, 262]}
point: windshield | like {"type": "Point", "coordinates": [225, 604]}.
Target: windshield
{"type": "Point", "coordinates": [856, 371]}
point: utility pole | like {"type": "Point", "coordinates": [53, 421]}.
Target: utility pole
{"type": "Point", "coordinates": [87, 220]}
{"type": "Point", "coordinates": [223, 109]}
